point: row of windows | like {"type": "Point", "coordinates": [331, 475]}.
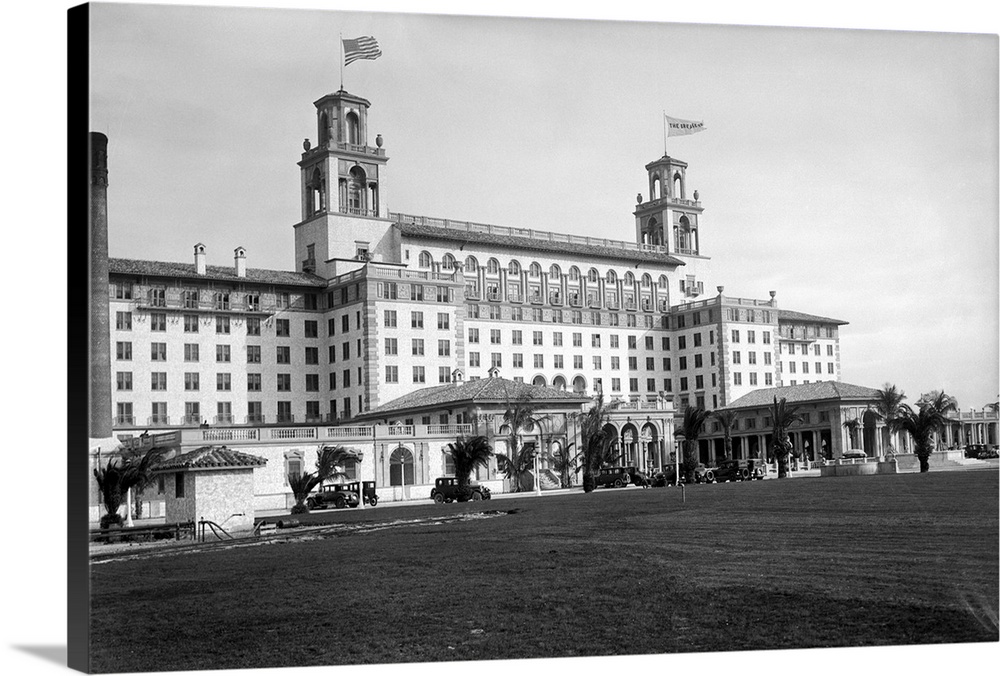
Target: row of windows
{"type": "Point", "coordinates": [471, 265]}
{"type": "Point", "coordinates": [816, 349]}
{"type": "Point", "coordinates": [159, 412]}
{"type": "Point", "coordinates": [156, 296]}
{"type": "Point", "coordinates": [537, 315]}
{"type": "Point", "coordinates": [805, 367]}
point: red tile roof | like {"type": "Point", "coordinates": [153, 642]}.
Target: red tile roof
{"type": "Point", "coordinates": [126, 266]}
{"type": "Point", "coordinates": [793, 316]}
{"type": "Point", "coordinates": [209, 457]}
{"type": "Point", "coordinates": [794, 394]}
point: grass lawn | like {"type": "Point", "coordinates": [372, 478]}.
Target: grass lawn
{"type": "Point", "coordinates": [852, 561]}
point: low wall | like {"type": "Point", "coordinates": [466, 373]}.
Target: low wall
{"type": "Point", "coordinates": [860, 467]}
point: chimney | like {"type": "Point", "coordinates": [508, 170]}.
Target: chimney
{"type": "Point", "coordinates": [457, 376]}
{"type": "Point", "coordinates": [199, 258]}
{"type": "Point", "coordinates": [240, 258]}
{"type": "Point", "coordinates": [100, 334]}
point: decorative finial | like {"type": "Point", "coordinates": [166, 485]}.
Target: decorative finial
{"type": "Point", "coordinates": [306, 145]}
{"type": "Point", "coordinates": [720, 288]}
{"type": "Point", "coordinates": [378, 140]}
{"type": "Point", "coordinates": [695, 195]}
{"type": "Point", "coordinates": [638, 198]}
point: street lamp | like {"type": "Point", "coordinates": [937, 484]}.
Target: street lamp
{"type": "Point", "coordinates": [680, 439]}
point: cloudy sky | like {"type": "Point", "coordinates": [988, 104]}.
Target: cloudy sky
{"type": "Point", "coordinates": [853, 172]}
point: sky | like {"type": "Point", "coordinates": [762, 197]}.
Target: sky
{"type": "Point", "coordinates": [853, 172]}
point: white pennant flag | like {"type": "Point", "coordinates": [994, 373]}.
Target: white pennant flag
{"type": "Point", "coordinates": [678, 127]}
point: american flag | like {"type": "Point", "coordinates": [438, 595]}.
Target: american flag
{"type": "Point", "coordinates": [361, 48]}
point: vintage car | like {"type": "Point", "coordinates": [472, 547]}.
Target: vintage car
{"type": "Point", "coordinates": [615, 476]}
{"type": "Point", "coordinates": [446, 490]}
{"type": "Point", "coordinates": [736, 470]}
{"type": "Point", "coordinates": [337, 495]}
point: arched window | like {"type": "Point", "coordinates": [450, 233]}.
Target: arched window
{"type": "Point", "coordinates": [593, 276]}
{"type": "Point", "coordinates": [663, 282]}
{"type": "Point", "coordinates": [579, 385]}
{"type": "Point", "coordinates": [555, 272]}
{"type": "Point", "coordinates": [425, 260]}
{"type": "Point", "coordinates": [514, 268]}
{"type": "Point", "coordinates": [678, 185]}
{"type": "Point", "coordinates": [647, 281]}
{"type": "Point", "coordinates": [535, 270]}
{"type": "Point", "coordinates": [316, 192]}
{"type": "Point", "coordinates": [356, 189]}
{"type": "Point", "coordinates": [471, 264]}
{"type": "Point", "coordinates": [448, 262]}
{"type": "Point", "coordinates": [559, 383]}
{"type": "Point", "coordinates": [324, 129]}
{"type": "Point", "coordinates": [401, 467]}
{"type": "Point", "coordinates": [538, 381]}
{"type": "Point", "coordinates": [574, 274]}
{"type": "Point", "coordinates": [655, 188]}
{"type": "Point", "coordinates": [612, 278]}
{"type": "Point", "coordinates": [353, 129]}
{"type": "Point", "coordinates": [493, 267]}
{"type": "Point", "coordinates": [629, 279]}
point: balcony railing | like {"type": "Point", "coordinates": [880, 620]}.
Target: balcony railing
{"type": "Point", "coordinates": [536, 299]}
{"type": "Point", "coordinates": [256, 419]}
{"type": "Point", "coordinates": [555, 299]}
{"type": "Point", "coordinates": [314, 417]}
{"type": "Point", "coordinates": [630, 305]}
{"type": "Point", "coordinates": [191, 420]}
{"type": "Point", "coordinates": [359, 211]}
{"type": "Point", "coordinates": [472, 294]}
{"type": "Point", "coordinates": [514, 297]}
{"type": "Point", "coordinates": [284, 418]}
{"type": "Point", "coordinates": [158, 420]}
{"type": "Point", "coordinates": [400, 431]}
{"type": "Point", "coordinates": [125, 420]}
{"type": "Point", "coordinates": [493, 296]}
{"type": "Point", "coordinates": [575, 301]}
{"type": "Point", "coordinates": [448, 429]}
{"type": "Point", "coordinates": [224, 419]}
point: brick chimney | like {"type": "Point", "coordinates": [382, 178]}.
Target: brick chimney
{"type": "Point", "coordinates": [240, 260]}
{"type": "Point", "coordinates": [199, 258]}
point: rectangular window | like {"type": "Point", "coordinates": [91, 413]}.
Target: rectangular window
{"type": "Point", "coordinates": [253, 354]}
{"type": "Point", "coordinates": [631, 343]}
{"type": "Point", "coordinates": [684, 384]}
{"type": "Point", "coordinates": [767, 337]}
{"type": "Point", "coordinates": [597, 363]}
{"type": "Point", "coordinates": [515, 338]}
{"type": "Point", "coordinates": [651, 384]}
{"type": "Point", "coordinates": [157, 321]}
{"type": "Point", "coordinates": [633, 384]}
{"type": "Point", "coordinates": [418, 374]}
{"type": "Point", "coordinates": [736, 335]}
{"type": "Point", "coordinates": [391, 374]}
{"type": "Point", "coordinates": [253, 382]}
{"type": "Point", "coordinates": [122, 290]}
{"type": "Point", "coordinates": [650, 363]}
{"type": "Point", "coordinates": [253, 326]}
{"type": "Point", "coordinates": [311, 329]}
{"type": "Point", "coordinates": [123, 380]}
{"type": "Point", "coordinates": [158, 381]}
{"type": "Point", "coordinates": [616, 363]}
{"type": "Point", "coordinates": [666, 363]}
{"type": "Point", "coordinates": [791, 367]}
{"type": "Point", "coordinates": [633, 363]}
{"type": "Point", "coordinates": [736, 357]}
{"type": "Point", "coordinates": [191, 382]}
{"type": "Point", "coordinates": [284, 354]}
{"type": "Point", "coordinates": [577, 340]}
{"type": "Point", "coordinates": [768, 379]}
{"type": "Point", "coordinates": [496, 359]}
{"type": "Point", "coordinates": [494, 336]}
{"type": "Point", "coordinates": [222, 353]}
{"type": "Point", "coordinates": [333, 381]}
{"type": "Point", "coordinates": [345, 324]}
{"type": "Point", "coordinates": [697, 361]}
{"type": "Point", "coordinates": [557, 361]}
{"type": "Point", "coordinates": [648, 341]}
{"type": "Point", "coordinates": [539, 361]}
{"type": "Point", "coordinates": [158, 297]}
{"type": "Point", "coordinates": [536, 338]}
{"type": "Point", "coordinates": [829, 367]}
{"type": "Point", "coordinates": [123, 321]}
{"type": "Point", "coordinates": [614, 341]}
{"type": "Point", "coordinates": [682, 342]}
{"type": "Point", "coordinates": [416, 320]}
{"type": "Point", "coordinates": [312, 355]}
{"type": "Point", "coordinates": [223, 382]}
{"type": "Point", "coordinates": [473, 335]}
{"type": "Point", "coordinates": [805, 367]}
{"type": "Point", "coordinates": [767, 358]}
{"type": "Point", "coordinates": [751, 357]}
{"type": "Point", "coordinates": [578, 361]}
{"type": "Point", "coordinates": [158, 351]}
{"type": "Point", "coordinates": [443, 321]}
{"type": "Point", "coordinates": [751, 336]}
{"type": "Point", "coordinates": [444, 374]}
{"type": "Point", "coordinates": [616, 384]}
{"type": "Point", "coordinates": [312, 382]}
{"type": "Point", "coordinates": [417, 347]}
{"type": "Point", "coordinates": [391, 347]}
{"type": "Point", "coordinates": [737, 378]}
{"type": "Point", "coordinates": [829, 350]}
{"type": "Point", "coordinates": [444, 348]}
{"type": "Point", "coordinates": [699, 382]}
{"type": "Point", "coordinates": [345, 351]}
{"type": "Point", "coordinates": [557, 339]}
{"type": "Point", "coordinates": [682, 363]}
{"type": "Point", "coordinates": [518, 360]}
{"type": "Point", "coordinates": [123, 351]}
{"type": "Point", "coordinates": [473, 359]}
{"type": "Point", "coordinates": [284, 382]}
{"type": "Point", "coordinates": [595, 340]}
{"type": "Point", "coordinates": [390, 319]}
{"type": "Point", "coordinates": [190, 323]}
{"type": "Point", "coordinates": [282, 328]}
{"type": "Point", "coordinates": [753, 378]}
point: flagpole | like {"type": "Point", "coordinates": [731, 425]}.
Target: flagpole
{"type": "Point", "coordinates": [341, 52]}
{"type": "Point", "coordinates": [664, 133]}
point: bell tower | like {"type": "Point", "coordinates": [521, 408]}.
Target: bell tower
{"type": "Point", "coordinates": [342, 177]}
{"type": "Point", "coordinates": [670, 218]}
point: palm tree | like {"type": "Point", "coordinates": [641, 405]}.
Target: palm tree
{"type": "Point", "coordinates": [783, 416]}
{"type": "Point", "coordinates": [564, 462]}
{"type": "Point", "coordinates": [888, 407]}
{"type": "Point", "coordinates": [519, 417]}
{"type": "Point", "coordinates": [727, 418]}
{"type": "Point", "coordinates": [691, 427]}
{"type": "Point", "coordinates": [329, 459]}
{"type": "Point", "coordinates": [596, 445]}
{"type": "Point", "coordinates": [852, 426]}
{"type": "Point", "coordinates": [467, 454]}
{"type": "Point", "coordinates": [940, 402]}
{"type": "Point", "coordinates": [114, 481]}
{"type": "Point", "coordinates": [921, 426]}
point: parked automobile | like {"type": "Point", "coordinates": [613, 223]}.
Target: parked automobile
{"type": "Point", "coordinates": [367, 493]}
{"type": "Point", "coordinates": [703, 474]}
{"type": "Point", "coordinates": [668, 477]}
{"type": "Point", "coordinates": [337, 495]}
{"type": "Point", "coordinates": [446, 490]}
{"type": "Point", "coordinates": [614, 476]}
{"type": "Point", "coordinates": [737, 470]}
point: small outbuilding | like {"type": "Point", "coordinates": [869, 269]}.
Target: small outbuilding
{"type": "Point", "coordinates": [214, 484]}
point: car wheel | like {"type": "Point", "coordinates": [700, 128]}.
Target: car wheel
{"type": "Point", "coordinates": [709, 477]}
{"type": "Point", "coordinates": [438, 498]}
{"type": "Point", "coordinates": [744, 474]}
{"type": "Point", "coordinates": [373, 500]}
{"type": "Point", "coordinates": [618, 483]}
{"type": "Point", "coordinates": [311, 504]}
{"type": "Point", "coordinates": [476, 495]}
{"type": "Point", "coordinates": [338, 503]}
